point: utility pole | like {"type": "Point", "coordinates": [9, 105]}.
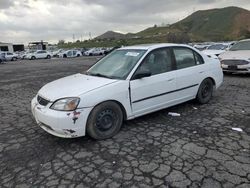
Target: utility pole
{"type": "Point", "coordinates": [73, 37]}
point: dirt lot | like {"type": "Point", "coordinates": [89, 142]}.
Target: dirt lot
{"type": "Point", "coordinates": [197, 149]}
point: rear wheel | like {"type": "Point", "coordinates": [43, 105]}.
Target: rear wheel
{"type": "Point", "coordinates": [48, 56]}
{"type": "Point", "coordinates": [105, 121]}
{"type": "Point", "coordinates": [33, 57]}
{"type": "Point", "coordinates": [14, 59]}
{"type": "Point", "coordinates": [64, 56]}
{"type": "Point", "coordinates": [205, 91]}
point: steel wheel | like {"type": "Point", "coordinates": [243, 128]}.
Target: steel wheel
{"type": "Point", "coordinates": [205, 91]}
{"type": "Point", "coordinates": [105, 120]}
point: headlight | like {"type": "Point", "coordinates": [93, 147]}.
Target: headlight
{"type": "Point", "coordinates": [66, 104]}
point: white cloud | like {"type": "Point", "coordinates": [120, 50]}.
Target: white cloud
{"type": "Point", "coordinates": [22, 21]}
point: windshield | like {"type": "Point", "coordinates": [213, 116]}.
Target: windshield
{"type": "Point", "coordinates": [217, 47]}
{"type": "Point", "coordinates": [243, 45]}
{"type": "Point", "coordinates": [117, 65]}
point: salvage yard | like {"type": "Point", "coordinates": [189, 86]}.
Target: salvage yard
{"type": "Point", "coordinates": [199, 148]}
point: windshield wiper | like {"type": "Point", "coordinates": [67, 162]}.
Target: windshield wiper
{"type": "Point", "coordinates": [99, 75]}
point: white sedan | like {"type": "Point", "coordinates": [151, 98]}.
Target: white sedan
{"type": "Point", "coordinates": [216, 49]}
{"type": "Point", "coordinates": [70, 53]}
{"type": "Point", "coordinates": [39, 54]}
{"type": "Point", "coordinates": [10, 56]}
{"type": "Point", "coordinates": [94, 51]}
{"type": "Point", "coordinates": [237, 58]}
{"type": "Point", "coordinates": [127, 83]}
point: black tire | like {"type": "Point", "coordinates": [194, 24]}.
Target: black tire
{"type": "Point", "coordinates": [48, 56]}
{"type": "Point", "coordinates": [105, 121]}
{"type": "Point", "coordinates": [33, 57]}
{"type": "Point", "coordinates": [205, 91]}
{"type": "Point", "coordinates": [13, 59]}
{"type": "Point", "coordinates": [78, 55]}
{"type": "Point", "coordinates": [90, 54]}
{"type": "Point", "coordinates": [64, 56]}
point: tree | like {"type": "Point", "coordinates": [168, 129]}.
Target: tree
{"type": "Point", "coordinates": [61, 42]}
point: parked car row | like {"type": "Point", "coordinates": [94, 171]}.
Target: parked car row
{"type": "Point", "coordinates": [234, 56]}
{"type": "Point", "coordinates": [59, 53]}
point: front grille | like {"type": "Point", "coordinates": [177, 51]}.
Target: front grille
{"type": "Point", "coordinates": [234, 62]}
{"type": "Point", "coordinates": [42, 101]}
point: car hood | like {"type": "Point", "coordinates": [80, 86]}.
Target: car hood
{"type": "Point", "coordinates": [241, 54]}
{"type": "Point", "coordinates": [72, 86]}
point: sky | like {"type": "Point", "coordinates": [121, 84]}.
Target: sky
{"type": "Point", "coordinates": [23, 21]}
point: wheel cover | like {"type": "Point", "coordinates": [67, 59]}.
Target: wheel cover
{"type": "Point", "coordinates": [106, 120]}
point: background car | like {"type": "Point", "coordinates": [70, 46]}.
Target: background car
{"type": "Point", "coordinates": [10, 56]}
{"type": "Point", "coordinates": [39, 54]}
{"type": "Point", "coordinates": [215, 50]}
{"type": "Point", "coordinates": [70, 53]}
{"type": "Point", "coordinates": [56, 52]}
{"type": "Point", "coordinates": [95, 51]}
{"type": "Point", "coordinates": [127, 83]}
{"type": "Point", "coordinates": [2, 58]}
{"type": "Point", "coordinates": [237, 58]}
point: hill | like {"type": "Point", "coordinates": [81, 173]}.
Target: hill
{"type": "Point", "coordinates": [111, 35]}
{"type": "Point", "coordinates": [229, 23]}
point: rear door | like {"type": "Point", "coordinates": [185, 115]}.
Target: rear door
{"type": "Point", "coordinates": [190, 70]}
{"type": "Point", "coordinates": [154, 92]}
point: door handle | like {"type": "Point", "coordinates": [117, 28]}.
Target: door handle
{"type": "Point", "coordinates": [171, 79]}
{"type": "Point", "coordinates": [201, 72]}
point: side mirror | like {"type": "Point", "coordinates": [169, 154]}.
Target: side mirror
{"type": "Point", "coordinates": [142, 73]}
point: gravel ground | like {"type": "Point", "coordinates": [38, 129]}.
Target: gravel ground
{"type": "Point", "coordinates": [197, 149]}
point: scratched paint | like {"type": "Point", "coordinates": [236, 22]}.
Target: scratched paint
{"type": "Point", "coordinates": [75, 116]}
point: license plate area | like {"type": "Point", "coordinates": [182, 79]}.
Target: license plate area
{"type": "Point", "coordinates": [232, 67]}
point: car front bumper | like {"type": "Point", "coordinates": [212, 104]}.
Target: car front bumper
{"type": "Point", "coordinates": [65, 124]}
{"type": "Point", "coordinates": [236, 68]}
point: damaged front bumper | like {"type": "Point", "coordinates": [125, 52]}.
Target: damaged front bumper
{"type": "Point", "coordinates": [65, 124]}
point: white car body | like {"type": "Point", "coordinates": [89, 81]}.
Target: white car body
{"type": "Point", "coordinates": [39, 54]}
{"type": "Point", "coordinates": [95, 51]}
{"type": "Point", "coordinates": [55, 53]}
{"type": "Point", "coordinates": [236, 61]}
{"type": "Point", "coordinates": [215, 50]}
{"type": "Point", "coordinates": [213, 53]}
{"type": "Point", "coordinates": [136, 97]}
{"type": "Point", "coordinates": [70, 53]}
{"type": "Point", "coordinates": [10, 56]}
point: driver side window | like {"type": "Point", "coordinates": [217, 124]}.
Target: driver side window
{"type": "Point", "coordinates": [157, 62]}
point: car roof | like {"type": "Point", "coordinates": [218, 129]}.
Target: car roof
{"type": "Point", "coordinates": [152, 46]}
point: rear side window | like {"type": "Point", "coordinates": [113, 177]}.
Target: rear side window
{"type": "Point", "coordinates": [198, 58]}
{"type": "Point", "coordinates": [186, 57]}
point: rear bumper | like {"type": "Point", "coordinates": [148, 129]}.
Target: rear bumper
{"type": "Point", "coordinates": [60, 123]}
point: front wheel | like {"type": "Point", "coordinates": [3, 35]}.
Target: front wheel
{"type": "Point", "coordinates": [48, 56]}
{"type": "Point", "coordinates": [105, 121]}
{"type": "Point", "coordinates": [205, 91]}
